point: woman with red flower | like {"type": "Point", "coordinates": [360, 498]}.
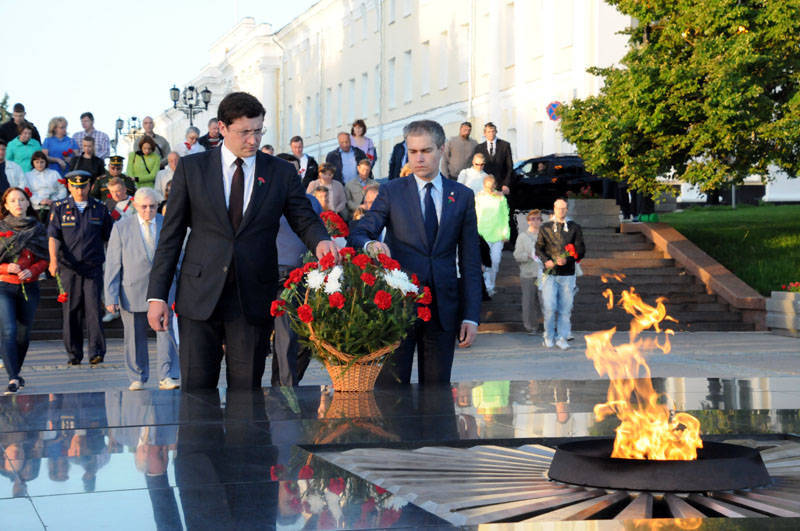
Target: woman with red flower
{"type": "Point", "coordinates": [58, 146]}
{"type": "Point", "coordinates": [44, 186]}
{"type": "Point", "coordinates": [23, 257]}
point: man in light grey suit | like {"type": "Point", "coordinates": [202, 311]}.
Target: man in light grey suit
{"type": "Point", "coordinates": [129, 259]}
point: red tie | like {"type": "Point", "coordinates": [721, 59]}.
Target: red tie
{"type": "Point", "coordinates": [236, 200]}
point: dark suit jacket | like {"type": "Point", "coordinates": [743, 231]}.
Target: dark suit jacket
{"type": "Point", "coordinates": [335, 158]}
{"type": "Point", "coordinates": [197, 201]}
{"type": "Point", "coordinates": [501, 165]}
{"type": "Point", "coordinates": [312, 172]}
{"type": "Point", "coordinates": [397, 208]}
{"type": "Point", "coordinates": [396, 162]}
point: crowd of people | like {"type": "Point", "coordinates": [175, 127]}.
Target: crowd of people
{"type": "Point", "coordinates": [97, 229]}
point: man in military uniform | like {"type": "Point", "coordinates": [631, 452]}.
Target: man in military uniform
{"type": "Point", "coordinates": [118, 202]}
{"type": "Point", "coordinates": [79, 227]}
{"type": "Point", "coordinates": [100, 186]}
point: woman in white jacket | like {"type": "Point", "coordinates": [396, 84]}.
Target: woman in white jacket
{"type": "Point", "coordinates": [44, 184]}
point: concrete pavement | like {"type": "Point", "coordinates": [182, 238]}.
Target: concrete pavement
{"type": "Point", "coordinates": [495, 356]}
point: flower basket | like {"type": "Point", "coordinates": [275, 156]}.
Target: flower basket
{"type": "Point", "coordinates": [352, 315]}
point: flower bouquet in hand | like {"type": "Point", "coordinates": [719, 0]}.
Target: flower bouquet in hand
{"type": "Point", "coordinates": [569, 251]}
{"type": "Point", "coordinates": [336, 226]}
{"type": "Point", "coordinates": [354, 314]}
{"type": "Point", "coordinates": [11, 251]}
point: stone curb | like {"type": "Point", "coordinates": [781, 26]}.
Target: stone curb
{"type": "Point", "coordinates": [717, 278]}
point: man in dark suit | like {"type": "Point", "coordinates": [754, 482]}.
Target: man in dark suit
{"type": "Point", "coordinates": [308, 166]}
{"type": "Point", "coordinates": [398, 159]}
{"type": "Point", "coordinates": [498, 158]}
{"type": "Point", "coordinates": [232, 198]}
{"type": "Point", "coordinates": [430, 225]}
{"type": "Point", "coordinates": [345, 159]}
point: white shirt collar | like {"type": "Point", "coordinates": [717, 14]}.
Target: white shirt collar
{"type": "Point", "coordinates": [142, 221]}
{"type": "Point", "coordinates": [228, 158]}
{"type": "Point", "coordinates": [437, 182]}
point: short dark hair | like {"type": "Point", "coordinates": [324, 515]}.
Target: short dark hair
{"type": "Point", "coordinates": [268, 146]}
{"type": "Point", "coordinates": [88, 138]}
{"type": "Point", "coordinates": [358, 122]}
{"type": "Point", "coordinates": [321, 189]}
{"type": "Point", "coordinates": [365, 162]}
{"type": "Point", "coordinates": [213, 120]}
{"type": "Point", "coordinates": [287, 156]}
{"type": "Point", "coordinates": [18, 107]}
{"type": "Point", "coordinates": [426, 127]}
{"type": "Point", "coordinates": [239, 105]}
{"type": "Point", "coordinates": [469, 124]}
{"type": "Point", "coordinates": [38, 155]}
{"type": "Point", "coordinates": [296, 138]}
{"type": "Point", "coordinates": [490, 124]}
{"type": "Point", "coordinates": [88, 115]}
{"type": "Point", "coordinates": [3, 142]}
{"type": "Point", "coordinates": [24, 125]}
{"type": "Point", "coordinates": [147, 140]}
{"type": "Point", "coordinates": [326, 167]}
{"type": "Point", "coordinates": [372, 187]}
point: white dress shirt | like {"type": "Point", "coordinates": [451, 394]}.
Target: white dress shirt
{"type": "Point", "coordinates": [491, 146]}
{"type": "Point", "coordinates": [436, 194]}
{"type": "Point", "coordinates": [303, 166]}
{"type": "Point", "coordinates": [143, 228]}
{"type": "Point", "coordinates": [229, 166]}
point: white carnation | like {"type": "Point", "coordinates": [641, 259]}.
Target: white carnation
{"type": "Point", "coordinates": [400, 281]}
{"type": "Point", "coordinates": [316, 503]}
{"type": "Point", "coordinates": [332, 285]}
{"type": "Point", "coordinates": [315, 278]}
{"type": "Point", "coordinates": [336, 273]}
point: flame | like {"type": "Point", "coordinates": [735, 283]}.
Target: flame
{"type": "Point", "coordinates": [608, 294]}
{"type": "Point", "coordinates": [619, 277]}
{"type": "Point", "coordinates": [648, 428]}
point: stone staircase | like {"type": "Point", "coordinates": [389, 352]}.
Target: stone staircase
{"type": "Point", "coordinates": [47, 323]}
{"type": "Point", "coordinates": [643, 267]}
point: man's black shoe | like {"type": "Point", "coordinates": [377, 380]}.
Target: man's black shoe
{"type": "Point", "coordinates": [74, 362]}
{"type": "Point", "coordinates": [21, 382]}
{"type": "Point", "coordinates": [97, 358]}
{"type": "Point", "coordinates": [12, 388]}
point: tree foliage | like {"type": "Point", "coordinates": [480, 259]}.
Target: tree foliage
{"type": "Point", "coordinates": [4, 114]}
{"type": "Point", "coordinates": [708, 92]}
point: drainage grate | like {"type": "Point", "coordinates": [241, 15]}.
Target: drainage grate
{"type": "Point", "coordinates": [485, 484]}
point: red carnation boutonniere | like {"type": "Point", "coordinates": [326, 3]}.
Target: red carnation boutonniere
{"type": "Point", "coordinates": [115, 215]}
{"type": "Point", "coordinates": [63, 181]}
{"type": "Point", "coordinates": [260, 181]}
{"type": "Point", "coordinates": [28, 192]}
{"type": "Point", "coordinates": [451, 198]}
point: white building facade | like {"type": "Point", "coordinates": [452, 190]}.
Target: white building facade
{"type": "Point", "coordinates": [389, 62]}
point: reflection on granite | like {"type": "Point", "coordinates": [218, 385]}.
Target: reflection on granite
{"type": "Point", "coordinates": [171, 460]}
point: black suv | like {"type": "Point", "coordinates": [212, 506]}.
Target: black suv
{"type": "Point", "coordinates": [541, 180]}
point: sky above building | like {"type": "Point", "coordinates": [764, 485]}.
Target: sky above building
{"type": "Point", "coordinates": [115, 59]}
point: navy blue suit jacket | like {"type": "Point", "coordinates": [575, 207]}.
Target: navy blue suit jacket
{"type": "Point", "coordinates": [397, 208]}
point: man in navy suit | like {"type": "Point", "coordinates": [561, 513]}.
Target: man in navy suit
{"type": "Point", "coordinates": [430, 225]}
{"type": "Point", "coordinates": [232, 198]}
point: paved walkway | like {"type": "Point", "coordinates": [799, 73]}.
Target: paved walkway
{"type": "Point", "coordinates": [501, 356]}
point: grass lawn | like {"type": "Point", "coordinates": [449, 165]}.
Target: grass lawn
{"type": "Point", "coordinates": [761, 245]}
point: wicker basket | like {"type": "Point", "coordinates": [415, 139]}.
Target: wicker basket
{"type": "Point", "coordinates": [352, 375]}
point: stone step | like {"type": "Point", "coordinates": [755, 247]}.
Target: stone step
{"type": "Point", "coordinates": [590, 326]}
{"type": "Point", "coordinates": [622, 255]}
{"type": "Point", "coordinates": [618, 246]}
{"type": "Point", "coordinates": [614, 264]}
{"type": "Point", "coordinates": [616, 316]}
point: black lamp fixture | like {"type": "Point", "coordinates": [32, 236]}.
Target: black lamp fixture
{"type": "Point", "coordinates": [134, 129]}
{"type": "Point", "coordinates": [191, 100]}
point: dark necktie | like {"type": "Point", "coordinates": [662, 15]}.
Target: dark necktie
{"type": "Point", "coordinates": [431, 222]}
{"type": "Point", "coordinates": [4, 184]}
{"type": "Point", "coordinates": [491, 149]}
{"type": "Point", "coordinates": [236, 200]}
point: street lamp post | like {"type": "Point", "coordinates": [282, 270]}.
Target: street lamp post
{"type": "Point", "coordinates": [134, 129]}
{"type": "Point", "coordinates": [191, 100]}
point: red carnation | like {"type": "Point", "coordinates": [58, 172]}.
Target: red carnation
{"type": "Point", "coordinates": [28, 191]}
{"type": "Point", "coordinates": [336, 485]}
{"type": "Point", "coordinates": [336, 300]}
{"type": "Point", "coordinates": [305, 473]}
{"type": "Point", "coordinates": [309, 266]}
{"type": "Point", "coordinates": [115, 215]}
{"type": "Point", "coordinates": [362, 260]}
{"type": "Point", "coordinates": [109, 196]}
{"type": "Point", "coordinates": [388, 263]}
{"type": "Point", "coordinates": [294, 277]}
{"type": "Point", "coordinates": [380, 490]}
{"type": "Point", "coordinates": [424, 313]}
{"type": "Point", "coordinates": [383, 300]}
{"type": "Point", "coordinates": [276, 472]}
{"type": "Point", "coordinates": [63, 181]}
{"type": "Point", "coordinates": [368, 278]}
{"type": "Point", "coordinates": [277, 308]}
{"type": "Point", "coordinates": [62, 297]}
{"type": "Point", "coordinates": [415, 280]}
{"type": "Point", "coordinates": [426, 297]}
{"type": "Point", "coordinates": [305, 314]}
{"type": "Point", "coordinates": [327, 261]}
{"type": "Point", "coordinates": [347, 252]}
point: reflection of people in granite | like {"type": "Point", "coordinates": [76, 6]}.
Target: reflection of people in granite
{"type": "Point", "coordinates": [223, 461]}
{"type": "Point", "coordinates": [491, 400]}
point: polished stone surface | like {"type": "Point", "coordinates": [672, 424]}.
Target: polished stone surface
{"type": "Point", "coordinates": [217, 460]}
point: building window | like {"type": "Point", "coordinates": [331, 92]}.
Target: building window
{"type": "Point", "coordinates": [351, 100]}
{"type": "Point", "coordinates": [328, 108]}
{"type": "Point", "coordinates": [317, 115]}
{"type": "Point", "coordinates": [508, 29]}
{"type": "Point", "coordinates": [390, 10]}
{"type": "Point", "coordinates": [407, 7]}
{"type": "Point", "coordinates": [364, 23]}
{"type": "Point", "coordinates": [390, 83]}
{"type": "Point", "coordinates": [376, 83]}
{"type": "Point", "coordinates": [339, 113]}
{"type": "Point", "coordinates": [307, 117]}
{"type": "Point", "coordinates": [289, 123]}
{"type": "Point", "coordinates": [364, 95]}
{"type": "Point", "coordinates": [425, 64]}
{"type": "Point", "coordinates": [462, 45]}
{"type": "Point", "coordinates": [444, 74]}
{"type": "Point", "coordinates": [408, 76]}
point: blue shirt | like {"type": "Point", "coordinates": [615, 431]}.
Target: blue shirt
{"type": "Point", "coordinates": [55, 149]}
{"type": "Point", "coordinates": [349, 171]}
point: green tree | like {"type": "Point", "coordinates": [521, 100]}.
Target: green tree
{"type": "Point", "coordinates": [4, 114]}
{"type": "Point", "coordinates": [708, 92]}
